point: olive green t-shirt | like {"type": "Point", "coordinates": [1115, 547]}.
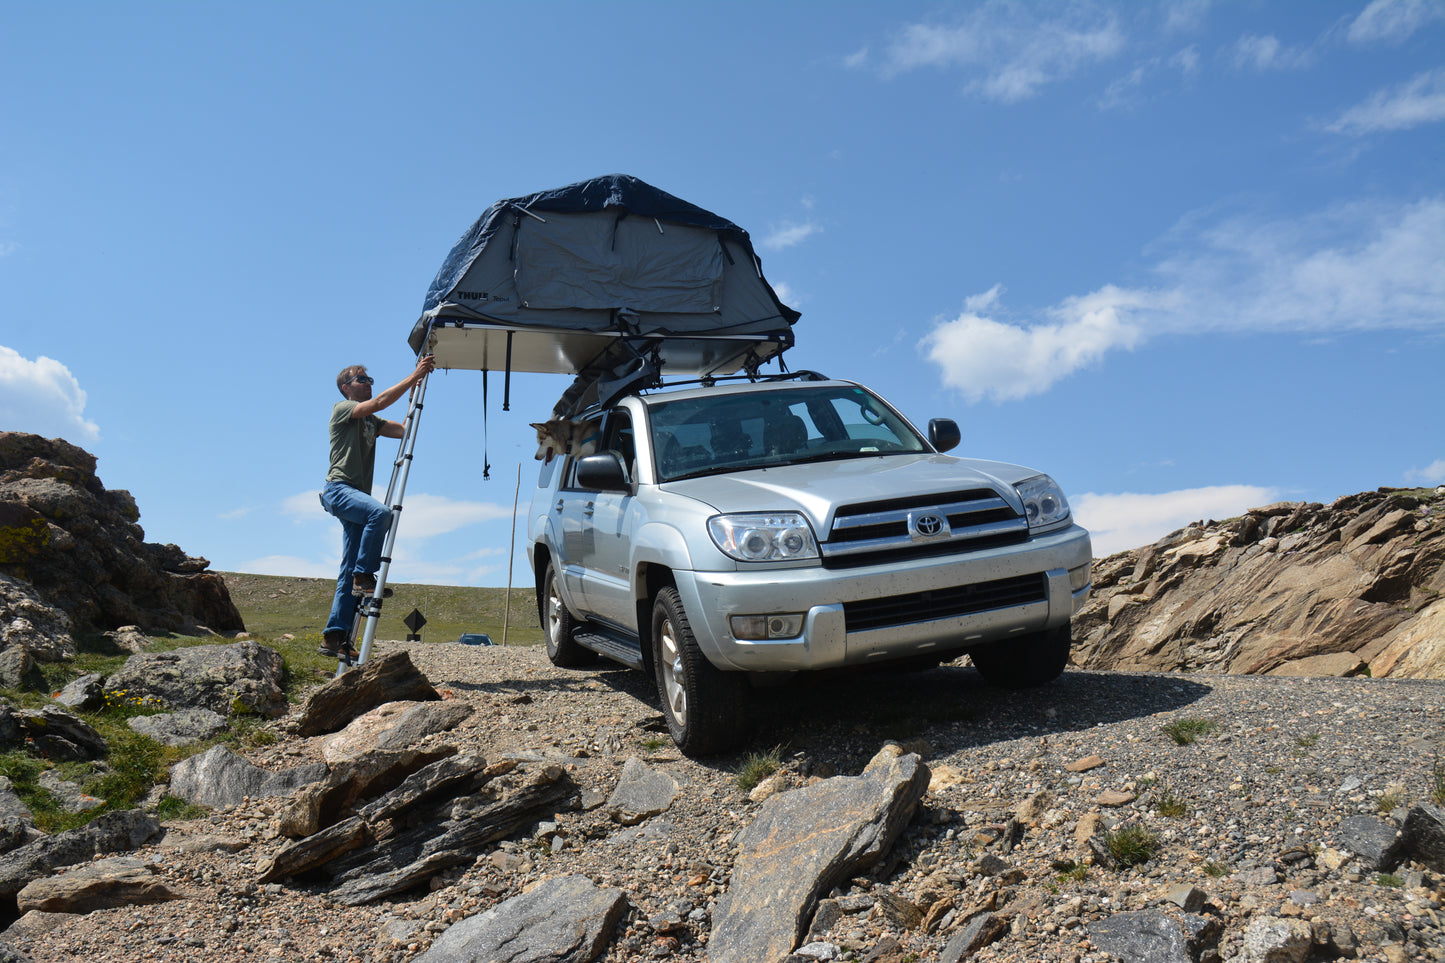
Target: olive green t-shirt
{"type": "Point", "coordinates": [353, 446]}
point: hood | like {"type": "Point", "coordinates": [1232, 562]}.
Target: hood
{"type": "Point", "coordinates": [817, 488]}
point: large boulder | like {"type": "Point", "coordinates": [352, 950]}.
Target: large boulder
{"type": "Point", "coordinates": [805, 842]}
{"type": "Point", "coordinates": [390, 678]}
{"type": "Point", "coordinates": [242, 677]}
{"type": "Point", "coordinates": [80, 547]}
{"type": "Point", "coordinates": [218, 778]}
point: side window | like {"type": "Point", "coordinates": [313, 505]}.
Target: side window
{"type": "Point", "coordinates": [617, 437]}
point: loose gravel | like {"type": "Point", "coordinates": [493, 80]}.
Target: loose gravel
{"type": "Point", "coordinates": [1248, 813]}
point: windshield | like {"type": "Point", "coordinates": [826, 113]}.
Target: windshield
{"type": "Point", "coordinates": [726, 432]}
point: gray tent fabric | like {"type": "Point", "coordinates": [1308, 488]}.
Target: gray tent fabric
{"type": "Point", "coordinates": [550, 282]}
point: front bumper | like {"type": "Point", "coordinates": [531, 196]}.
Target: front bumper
{"type": "Point", "coordinates": [919, 625]}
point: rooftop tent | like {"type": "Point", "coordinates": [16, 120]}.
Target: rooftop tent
{"type": "Point", "coordinates": [596, 274]}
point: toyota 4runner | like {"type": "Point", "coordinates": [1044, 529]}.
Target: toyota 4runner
{"type": "Point", "coordinates": [711, 534]}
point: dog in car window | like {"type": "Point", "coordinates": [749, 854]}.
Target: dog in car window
{"type": "Point", "coordinates": [560, 436]}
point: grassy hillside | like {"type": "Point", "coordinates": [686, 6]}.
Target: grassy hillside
{"type": "Point", "coordinates": [272, 605]}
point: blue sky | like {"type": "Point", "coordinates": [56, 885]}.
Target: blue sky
{"type": "Point", "coordinates": [1187, 257]}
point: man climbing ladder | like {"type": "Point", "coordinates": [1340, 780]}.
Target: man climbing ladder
{"type": "Point", "coordinates": [347, 494]}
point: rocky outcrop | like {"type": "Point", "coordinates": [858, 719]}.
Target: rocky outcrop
{"type": "Point", "coordinates": [239, 678]}
{"type": "Point", "coordinates": [79, 547]}
{"type": "Point", "coordinates": [1350, 588]}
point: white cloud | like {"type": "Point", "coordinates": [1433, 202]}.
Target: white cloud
{"type": "Point", "coordinates": [42, 397]}
{"type": "Point", "coordinates": [857, 59]}
{"type": "Point", "coordinates": [423, 516]}
{"type": "Point", "coordinates": [786, 294]}
{"type": "Point", "coordinates": [290, 566]}
{"type": "Point", "coordinates": [1253, 52]}
{"type": "Point", "coordinates": [789, 235]}
{"type": "Point", "coordinates": [1184, 15]}
{"type": "Point", "coordinates": [1118, 522]}
{"type": "Point", "coordinates": [1431, 474]}
{"type": "Point", "coordinates": [1355, 267]}
{"type": "Point", "coordinates": [428, 515]}
{"type": "Point", "coordinates": [1420, 100]}
{"type": "Point", "coordinates": [1393, 20]}
{"type": "Point", "coordinates": [1014, 49]}
{"type": "Point", "coordinates": [982, 357]}
{"type": "Point", "coordinates": [1186, 61]}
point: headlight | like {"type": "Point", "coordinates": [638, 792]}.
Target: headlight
{"type": "Point", "coordinates": [1044, 503]}
{"type": "Point", "coordinates": [763, 538]}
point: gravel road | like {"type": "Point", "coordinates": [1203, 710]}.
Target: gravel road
{"type": "Point", "coordinates": [1249, 813]}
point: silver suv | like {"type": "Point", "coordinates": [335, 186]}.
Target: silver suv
{"type": "Point", "coordinates": [711, 534]}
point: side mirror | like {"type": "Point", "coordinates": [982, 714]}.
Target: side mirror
{"type": "Point", "coordinates": [943, 433]}
{"type": "Point", "coordinates": [603, 472]}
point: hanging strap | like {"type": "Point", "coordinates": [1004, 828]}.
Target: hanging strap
{"type": "Point", "coordinates": [486, 465]}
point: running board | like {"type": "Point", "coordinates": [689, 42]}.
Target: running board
{"type": "Point", "coordinates": [614, 645]}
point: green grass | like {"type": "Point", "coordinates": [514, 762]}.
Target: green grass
{"type": "Point", "coordinates": [1186, 731]}
{"type": "Point", "coordinates": [757, 767]}
{"type": "Point", "coordinates": [1132, 845]}
{"type": "Point", "coordinates": [273, 605]}
{"type": "Point", "coordinates": [1215, 870]}
{"type": "Point", "coordinates": [1166, 803]}
{"type": "Point", "coordinates": [1388, 802]}
{"type": "Point", "coordinates": [1390, 880]}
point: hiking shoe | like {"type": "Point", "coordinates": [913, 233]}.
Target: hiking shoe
{"type": "Point", "coordinates": [335, 646]}
{"type": "Point", "coordinates": [366, 585]}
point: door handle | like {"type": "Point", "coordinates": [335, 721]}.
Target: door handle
{"type": "Point", "coordinates": [589, 508]}
{"type": "Point", "coordinates": [558, 506]}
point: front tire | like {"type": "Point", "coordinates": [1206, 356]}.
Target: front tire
{"type": "Point", "coordinates": [557, 624]}
{"type": "Point", "coordinates": [705, 708]}
{"type": "Point", "coordinates": [1024, 662]}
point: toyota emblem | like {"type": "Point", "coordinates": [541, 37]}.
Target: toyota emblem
{"type": "Point", "coordinates": [930, 525]}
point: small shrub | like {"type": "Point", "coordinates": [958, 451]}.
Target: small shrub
{"type": "Point", "coordinates": [1307, 741]}
{"type": "Point", "coordinates": [1389, 879]}
{"type": "Point", "coordinates": [172, 807]}
{"type": "Point", "coordinates": [1132, 845]}
{"type": "Point", "coordinates": [1077, 873]}
{"type": "Point", "coordinates": [1186, 731]}
{"type": "Point", "coordinates": [757, 767]}
{"type": "Point", "coordinates": [1437, 783]}
{"type": "Point", "coordinates": [1214, 870]}
{"type": "Point", "coordinates": [1388, 802]}
{"type": "Point", "coordinates": [1166, 803]}
{"type": "Point", "coordinates": [653, 743]}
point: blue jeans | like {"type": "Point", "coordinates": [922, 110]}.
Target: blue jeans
{"type": "Point", "coordinates": [364, 524]}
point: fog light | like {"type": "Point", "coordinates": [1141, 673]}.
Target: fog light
{"type": "Point", "coordinates": [1079, 577]}
{"type": "Point", "coordinates": [760, 628]}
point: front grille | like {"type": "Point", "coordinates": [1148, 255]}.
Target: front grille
{"type": "Point", "coordinates": [876, 532]}
{"type": "Point", "coordinates": [944, 603]}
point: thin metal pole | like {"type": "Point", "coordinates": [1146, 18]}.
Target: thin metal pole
{"type": "Point", "coordinates": [395, 490]}
{"type": "Point", "coordinates": [511, 556]}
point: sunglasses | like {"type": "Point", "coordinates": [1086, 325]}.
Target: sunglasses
{"type": "Point", "coordinates": [363, 380]}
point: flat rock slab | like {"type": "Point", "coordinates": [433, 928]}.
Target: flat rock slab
{"type": "Point", "coordinates": [218, 778]}
{"type": "Point", "coordinates": [395, 725]}
{"type": "Point", "coordinates": [805, 842]}
{"type": "Point", "coordinates": [107, 833]}
{"type": "Point", "coordinates": [562, 920]}
{"type": "Point", "coordinates": [103, 884]}
{"type": "Point", "coordinates": [642, 792]}
{"type": "Point", "coordinates": [181, 728]}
